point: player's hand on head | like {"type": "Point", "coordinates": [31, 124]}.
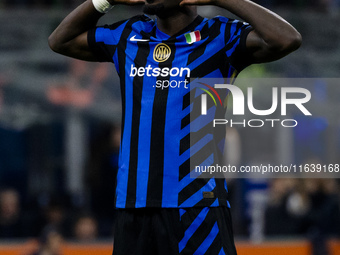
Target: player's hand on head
{"type": "Point", "coordinates": [198, 2]}
{"type": "Point", "coordinates": [126, 2]}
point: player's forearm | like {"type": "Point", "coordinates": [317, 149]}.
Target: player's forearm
{"type": "Point", "coordinates": [273, 29]}
{"type": "Point", "coordinates": [83, 18]}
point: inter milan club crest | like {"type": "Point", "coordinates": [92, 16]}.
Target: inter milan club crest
{"type": "Point", "coordinates": [161, 53]}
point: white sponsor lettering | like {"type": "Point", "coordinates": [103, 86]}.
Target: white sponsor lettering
{"type": "Point", "coordinates": [149, 71]}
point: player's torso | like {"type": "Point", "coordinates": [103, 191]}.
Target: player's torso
{"type": "Point", "coordinates": [155, 84]}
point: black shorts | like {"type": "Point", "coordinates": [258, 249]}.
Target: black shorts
{"type": "Point", "coordinates": [170, 231]}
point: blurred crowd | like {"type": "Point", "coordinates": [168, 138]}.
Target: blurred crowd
{"type": "Point", "coordinates": [305, 207]}
{"type": "Point", "coordinates": [19, 222]}
{"type": "Point", "coordinates": [23, 217]}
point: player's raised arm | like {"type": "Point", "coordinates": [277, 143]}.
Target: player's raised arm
{"type": "Point", "coordinates": [70, 37]}
{"type": "Point", "coordinates": [272, 37]}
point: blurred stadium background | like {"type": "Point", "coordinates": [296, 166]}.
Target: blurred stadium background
{"type": "Point", "coordinates": [59, 138]}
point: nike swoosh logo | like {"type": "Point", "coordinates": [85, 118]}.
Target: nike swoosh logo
{"type": "Point", "coordinates": [134, 39]}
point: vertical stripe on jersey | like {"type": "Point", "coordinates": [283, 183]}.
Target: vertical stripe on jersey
{"type": "Point", "coordinates": [170, 177]}
{"type": "Point", "coordinates": [144, 139]}
{"type": "Point", "coordinates": [126, 91]}
{"type": "Point", "coordinates": [156, 167]}
{"type": "Point", "coordinates": [142, 54]}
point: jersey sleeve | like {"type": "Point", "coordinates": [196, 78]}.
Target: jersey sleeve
{"type": "Point", "coordinates": [103, 41]}
{"type": "Point", "coordinates": [236, 33]}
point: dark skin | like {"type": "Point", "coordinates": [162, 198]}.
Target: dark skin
{"type": "Point", "coordinates": [271, 39]}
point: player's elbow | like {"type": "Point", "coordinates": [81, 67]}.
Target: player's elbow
{"type": "Point", "coordinates": [292, 42]}
{"type": "Point", "coordinates": [55, 44]}
{"type": "Point", "coordinates": [287, 43]}
{"type": "Point", "coordinates": [52, 43]}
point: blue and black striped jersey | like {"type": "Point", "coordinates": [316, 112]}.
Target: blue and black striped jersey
{"type": "Point", "coordinates": [155, 71]}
